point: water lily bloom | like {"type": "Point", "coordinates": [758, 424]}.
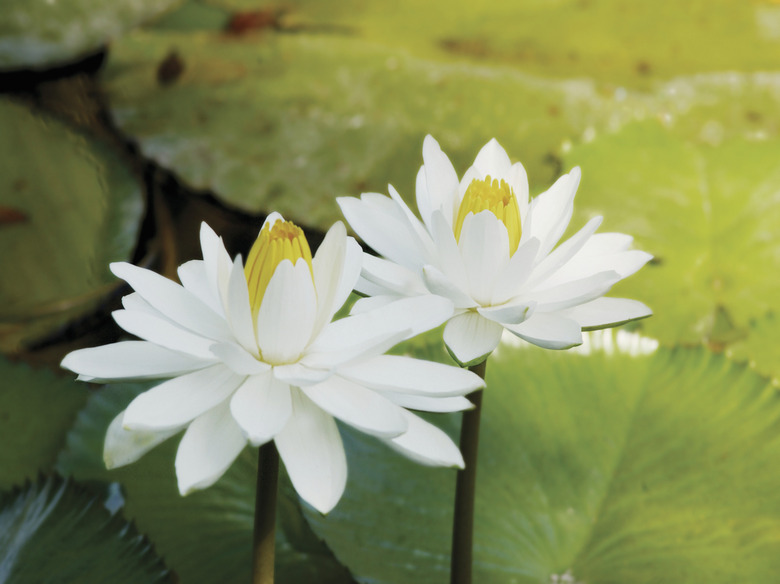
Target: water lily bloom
{"type": "Point", "coordinates": [252, 355]}
{"type": "Point", "coordinates": [494, 253]}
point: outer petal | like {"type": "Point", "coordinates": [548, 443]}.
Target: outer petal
{"type": "Point", "coordinates": [336, 267]}
{"type": "Point", "coordinates": [412, 376]}
{"type": "Point", "coordinates": [392, 277]}
{"type": "Point", "coordinates": [312, 451]}
{"type": "Point", "coordinates": [163, 332]}
{"type": "Point", "coordinates": [300, 375]}
{"type": "Point", "coordinates": [551, 211]}
{"type": "Point", "coordinates": [471, 337]}
{"type": "Point", "coordinates": [177, 401]}
{"type": "Point", "coordinates": [440, 285]}
{"type": "Point", "coordinates": [123, 447]}
{"type": "Point", "coordinates": [173, 301]}
{"type": "Point", "coordinates": [287, 314]}
{"type": "Point", "coordinates": [217, 264]}
{"type": "Point", "coordinates": [450, 259]}
{"type": "Point", "coordinates": [426, 444]}
{"type": "Point", "coordinates": [423, 238]}
{"type": "Point", "coordinates": [508, 313]}
{"type": "Point", "coordinates": [514, 275]}
{"type": "Point", "coordinates": [357, 406]}
{"type": "Point", "coordinates": [607, 312]}
{"type": "Point", "coordinates": [549, 331]}
{"type": "Point", "coordinates": [130, 360]}
{"type": "Point", "coordinates": [238, 359]}
{"type": "Point", "coordinates": [577, 292]}
{"type": "Point", "coordinates": [195, 280]}
{"type": "Point", "coordinates": [209, 446]}
{"type": "Point", "coordinates": [429, 404]}
{"type": "Point", "coordinates": [441, 182]}
{"type": "Point", "coordinates": [581, 266]}
{"type": "Point", "coordinates": [261, 406]}
{"type": "Point", "coordinates": [238, 309]}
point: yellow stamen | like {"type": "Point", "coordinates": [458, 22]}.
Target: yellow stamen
{"type": "Point", "coordinates": [283, 241]}
{"type": "Point", "coordinates": [498, 198]}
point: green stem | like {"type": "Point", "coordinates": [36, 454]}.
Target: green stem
{"type": "Point", "coordinates": [265, 514]}
{"type": "Point", "coordinates": [465, 488]}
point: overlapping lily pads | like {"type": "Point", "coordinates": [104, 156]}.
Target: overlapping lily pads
{"type": "Point", "coordinates": [71, 207]}
{"type": "Point", "coordinates": [204, 537]}
{"type": "Point", "coordinates": [45, 528]}
{"type": "Point", "coordinates": [607, 468]}
{"type": "Point", "coordinates": [40, 33]}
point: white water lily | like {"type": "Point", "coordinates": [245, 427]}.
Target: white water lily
{"type": "Point", "coordinates": [494, 253]}
{"type": "Point", "coordinates": [252, 356]}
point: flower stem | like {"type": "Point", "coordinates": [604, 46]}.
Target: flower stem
{"type": "Point", "coordinates": [465, 488]}
{"type": "Point", "coordinates": [265, 514]}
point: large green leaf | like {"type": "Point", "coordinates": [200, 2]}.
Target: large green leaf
{"type": "Point", "coordinates": [36, 410]}
{"type": "Point", "coordinates": [205, 537]}
{"type": "Point", "coordinates": [42, 33]}
{"type": "Point", "coordinates": [75, 207]}
{"type": "Point", "coordinates": [606, 468]}
{"type": "Point", "coordinates": [57, 532]}
{"type": "Point", "coordinates": [708, 212]}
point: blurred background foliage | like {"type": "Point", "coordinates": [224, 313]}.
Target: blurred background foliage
{"type": "Point", "coordinates": [124, 124]}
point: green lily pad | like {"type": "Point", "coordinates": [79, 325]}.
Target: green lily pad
{"type": "Point", "coordinates": [205, 537]}
{"type": "Point", "coordinates": [57, 532]}
{"type": "Point", "coordinates": [40, 33]}
{"type": "Point", "coordinates": [759, 347]}
{"type": "Point", "coordinates": [36, 411]}
{"type": "Point", "coordinates": [74, 208]}
{"type": "Point", "coordinates": [708, 213]}
{"type": "Point", "coordinates": [604, 468]}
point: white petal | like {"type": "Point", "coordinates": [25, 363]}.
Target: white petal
{"type": "Point", "coordinates": [412, 376]}
{"type": "Point", "coordinates": [193, 277]}
{"type": "Point", "coordinates": [370, 332]}
{"type": "Point", "coordinates": [426, 444]}
{"type": "Point", "coordinates": [173, 301]}
{"type": "Point", "coordinates": [607, 243]}
{"type": "Point", "coordinates": [508, 313]}
{"type": "Point", "coordinates": [209, 446]}
{"type": "Point", "coordinates": [441, 182]}
{"type": "Point", "coordinates": [429, 404]}
{"type": "Point", "coordinates": [300, 375]}
{"type": "Point", "coordinates": [238, 308]}
{"type": "Point", "coordinates": [576, 292]}
{"type": "Point", "coordinates": [216, 262]}
{"type": "Point", "coordinates": [422, 237]}
{"type": "Point", "coordinates": [311, 448]}
{"type": "Point", "coordinates": [518, 181]}
{"type": "Point", "coordinates": [564, 252]}
{"type": "Point", "coordinates": [550, 331]}
{"type": "Point", "coordinates": [286, 318]}
{"type": "Point", "coordinates": [179, 400]}
{"type": "Point", "coordinates": [123, 447]}
{"type": "Point", "coordinates": [471, 337]}
{"type": "Point", "coordinates": [437, 283]}
{"type": "Point", "coordinates": [580, 266]}
{"type": "Point", "coordinates": [336, 267]}
{"type": "Point", "coordinates": [384, 227]}
{"type": "Point", "coordinates": [261, 406]}
{"type": "Point", "coordinates": [493, 160]}
{"type": "Point", "coordinates": [357, 406]}
{"type": "Point", "coordinates": [163, 332]}
{"type": "Point", "coordinates": [130, 360]}
{"type": "Point", "coordinates": [450, 259]}
{"type": "Point", "coordinates": [372, 303]}
{"type": "Point", "coordinates": [484, 245]}
{"type": "Point", "coordinates": [392, 277]}
{"type": "Point", "coordinates": [238, 359]}
{"type": "Point", "coordinates": [551, 211]}
{"type": "Point", "coordinates": [514, 275]}
{"type": "Point", "coordinates": [607, 312]}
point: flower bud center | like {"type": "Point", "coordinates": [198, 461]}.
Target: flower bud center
{"type": "Point", "coordinates": [498, 198]}
{"type": "Point", "coordinates": [278, 242]}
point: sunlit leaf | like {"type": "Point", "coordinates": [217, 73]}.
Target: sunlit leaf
{"type": "Point", "coordinates": [57, 532]}
{"type": "Point", "coordinates": [605, 468]}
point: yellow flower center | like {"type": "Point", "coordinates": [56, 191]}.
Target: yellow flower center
{"type": "Point", "coordinates": [282, 241]}
{"type": "Point", "coordinates": [498, 198]}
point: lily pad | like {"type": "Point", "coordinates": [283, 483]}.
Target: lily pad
{"type": "Point", "coordinates": [760, 347]}
{"type": "Point", "coordinates": [47, 527]}
{"type": "Point", "coordinates": [36, 411]}
{"type": "Point", "coordinates": [605, 468]}
{"type": "Point", "coordinates": [39, 33]}
{"type": "Point", "coordinates": [708, 212]}
{"type": "Point", "coordinates": [205, 537]}
{"type": "Point", "coordinates": [78, 207]}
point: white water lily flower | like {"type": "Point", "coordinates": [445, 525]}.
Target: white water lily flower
{"type": "Point", "coordinates": [252, 356]}
{"type": "Point", "coordinates": [495, 254]}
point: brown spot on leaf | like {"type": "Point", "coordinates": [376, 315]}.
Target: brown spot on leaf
{"type": "Point", "coordinates": [170, 68]}
{"type": "Point", "coordinates": [469, 47]}
{"type": "Point", "coordinates": [254, 20]}
{"type": "Point", "coordinates": [753, 116]}
{"type": "Point", "coordinates": [643, 68]}
{"type": "Point", "coordinates": [11, 216]}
